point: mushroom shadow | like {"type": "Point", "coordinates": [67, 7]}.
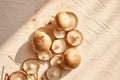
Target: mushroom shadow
{"type": "Point", "coordinates": [15, 13]}
{"type": "Point", "coordinates": [25, 52]}
{"type": "Point", "coordinates": [64, 73]}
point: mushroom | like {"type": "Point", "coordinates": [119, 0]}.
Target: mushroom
{"type": "Point", "coordinates": [66, 21]}
{"type": "Point", "coordinates": [59, 45]}
{"type": "Point", "coordinates": [74, 38]}
{"type": "Point", "coordinates": [59, 33]}
{"type": "Point", "coordinates": [18, 75]}
{"type": "Point", "coordinates": [71, 59]}
{"type": "Point", "coordinates": [44, 55]}
{"type": "Point", "coordinates": [62, 20]}
{"type": "Point", "coordinates": [55, 60]}
{"type": "Point", "coordinates": [31, 66]}
{"type": "Point", "coordinates": [54, 73]}
{"type": "Point", "coordinates": [41, 41]}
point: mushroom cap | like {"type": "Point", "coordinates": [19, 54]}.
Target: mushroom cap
{"type": "Point", "coordinates": [66, 21]}
{"type": "Point", "coordinates": [59, 45]}
{"type": "Point", "coordinates": [31, 66]}
{"type": "Point", "coordinates": [54, 73]}
{"type": "Point", "coordinates": [74, 37]}
{"type": "Point", "coordinates": [71, 59]}
{"type": "Point", "coordinates": [18, 75]}
{"type": "Point", "coordinates": [41, 41]}
{"type": "Point", "coordinates": [59, 33]}
{"type": "Point", "coordinates": [55, 60]}
{"type": "Point", "coordinates": [44, 55]}
{"type": "Point", "coordinates": [62, 20]}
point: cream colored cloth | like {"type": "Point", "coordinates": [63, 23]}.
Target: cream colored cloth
{"type": "Point", "coordinates": [99, 22]}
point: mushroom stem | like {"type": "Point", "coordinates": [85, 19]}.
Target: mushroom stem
{"type": "Point", "coordinates": [36, 76]}
{"type": "Point", "coordinates": [33, 76]}
{"type": "Point", "coordinates": [6, 77]}
{"type": "Point", "coordinates": [14, 61]}
{"type": "Point", "coordinates": [2, 73]}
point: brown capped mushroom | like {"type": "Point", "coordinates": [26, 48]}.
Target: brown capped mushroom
{"type": "Point", "coordinates": [54, 73]}
{"type": "Point", "coordinates": [18, 75]}
{"type": "Point", "coordinates": [66, 21]}
{"type": "Point", "coordinates": [62, 20]}
{"type": "Point", "coordinates": [71, 59]}
{"type": "Point", "coordinates": [44, 55]}
{"type": "Point", "coordinates": [74, 38]}
{"type": "Point", "coordinates": [41, 41]}
{"type": "Point", "coordinates": [59, 45]}
{"type": "Point", "coordinates": [31, 66]}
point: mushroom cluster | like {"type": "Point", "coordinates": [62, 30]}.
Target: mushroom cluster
{"type": "Point", "coordinates": [29, 71]}
{"type": "Point", "coordinates": [56, 42]}
{"type": "Point", "coordinates": [61, 51]}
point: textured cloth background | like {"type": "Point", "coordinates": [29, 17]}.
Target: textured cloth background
{"type": "Point", "coordinates": [99, 22]}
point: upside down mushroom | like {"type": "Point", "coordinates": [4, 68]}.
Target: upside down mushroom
{"type": "Point", "coordinates": [18, 75]}
{"type": "Point", "coordinates": [74, 37]}
{"type": "Point", "coordinates": [31, 66]}
{"type": "Point", "coordinates": [59, 45]}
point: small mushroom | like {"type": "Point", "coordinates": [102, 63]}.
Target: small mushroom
{"type": "Point", "coordinates": [18, 75]}
{"type": "Point", "coordinates": [44, 55]}
{"type": "Point", "coordinates": [59, 33]}
{"type": "Point", "coordinates": [41, 41]}
{"type": "Point", "coordinates": [31, 66]}
{"type": "Point", "coordinates": [74, 38]}
{"type": "Point", "coordinates": [54, 73]}
{"type": "Point", "coordinates": [58, 46]}
{"type": "Point", "coordinates": [62, 20]}
{"type": "Point", "coordinates": [71, 59]}
{"type": "Point", "coordinates": [55, 60]}
{"type": "Point", "coordinates": [66, 21]}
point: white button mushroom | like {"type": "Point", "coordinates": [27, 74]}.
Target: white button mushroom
{"type": "Point", "coordinates": [71, 59]}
